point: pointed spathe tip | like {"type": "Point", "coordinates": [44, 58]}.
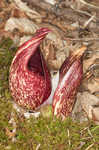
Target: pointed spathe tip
{"type": "Point", "coordinates": [42, 32]}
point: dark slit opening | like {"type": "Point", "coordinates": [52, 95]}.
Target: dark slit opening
{"type": "Point", "coordinates": [35, 62]}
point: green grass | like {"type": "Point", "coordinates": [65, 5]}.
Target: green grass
{"type": "Point", "coordinates": [46, 133]}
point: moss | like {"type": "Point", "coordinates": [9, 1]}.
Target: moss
{"type": "Point", "coordinates": [6, 55]}
{"type": "Point", "coordinates": [45, 132]}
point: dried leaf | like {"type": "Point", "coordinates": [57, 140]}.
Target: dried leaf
{"type": "Point", "coordinates": [31, 13]}
{"type": "Point", "coordinates": [24, 25]}
{"type": "Point", "coordinates": [90, 105]}
{"type": "Point", "coordinates": [52, 2]}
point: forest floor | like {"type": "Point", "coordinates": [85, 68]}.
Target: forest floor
{"type": "Point", "coordinates": [74, 23]}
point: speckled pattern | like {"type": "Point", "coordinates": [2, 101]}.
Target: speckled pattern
{"type": "Point", "coordinates": [29, 79]}
{"type": "Point", "coordinates": [64, 96]}
{"type": "Point", "coordinates": [70, 75]}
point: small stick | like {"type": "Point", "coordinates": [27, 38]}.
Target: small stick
{"type": "Point", "coordinates": [82, 39]}
{"type": "Point", "coordinates": [89, 146]}
{"type": "Point", "coordinates": [38, 146]}
{"type": "Point", "coordinates": [91, 134]}
{"type": "Point", "coordinates": [88, 21]}
{"type": "Point", "coordinates": [68, 133]}
{"type": "Point", "coordinates": [84, 12]}
{"type": "Point", "coordinates": [88, 4]}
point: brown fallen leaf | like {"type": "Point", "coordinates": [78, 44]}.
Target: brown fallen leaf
{"type": "Point", "coordinates": [90, 104]}
{"type": "Point", "coordinates": [87, 63]}
{"type": "Point", "coordinates": [93, 86]}
{"type": "Point", "coordinates": [24, 25]}
{"type": "Point", "coordinates": [91, 77]}
{"type": "Point", "coordinates": [29, 12]}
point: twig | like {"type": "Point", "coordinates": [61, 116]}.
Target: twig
{"type": "Point", "coordinates": [38, 146]}
{"type": "Point", "coordinates": [88, 21]}
{"type": "Point", "coordinates": [68, 133]}
{"type": "Point", "coordinates": [88, 4]}
{"type": "Point", "coordinates": [89, 146]}
{"type": "Point", "coordinates": [81, 132]}
{"type": "Point", "coordinates": [82, 39]}
{"type": "Point", "coordinates": [91, 134]}
{"type": "Point", "coordinates": [84, 12]}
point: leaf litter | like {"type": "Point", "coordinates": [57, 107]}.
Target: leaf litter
{"type": "Point", "coordinates": [74, 23]}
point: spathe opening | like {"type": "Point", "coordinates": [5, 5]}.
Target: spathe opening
{"type": "Point", "coordinates": [35, 62]}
